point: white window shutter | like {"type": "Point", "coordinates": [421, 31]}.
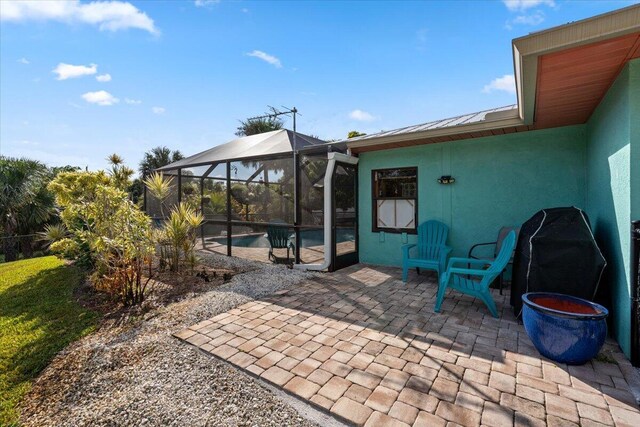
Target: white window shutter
{"type": "Point", "coordinates": [386, 213]}
{"type": "Point", "coordinates": [405, 214]}
{"type": "Point", "coordinates": [396, 213]}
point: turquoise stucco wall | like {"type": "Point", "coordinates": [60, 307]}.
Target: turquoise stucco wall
{"type": "Point", "coordinates": [612, 142]}
{"type": "Point", "coordinates": [634, 112]}
{"type": "Point", "coordinates": [503, 180]}
{"type": "Point", "coordinates": [500, 180]}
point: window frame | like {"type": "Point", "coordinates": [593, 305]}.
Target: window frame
{"type": "Point", "coordinates": [375, 198]}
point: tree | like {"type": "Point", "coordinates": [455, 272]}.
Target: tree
{"type": "Point", "coordinates": [136, 191]}
{"type": "Point", "coordinates": [25, 203]}
{"type": "Point", "coordinates": [156, 158]}
{"type": "Point", "coordinates": [120, 173]}
{"type": "Point", "coordinates": [260, 125]}
{"type": "Point", "coordinates": [355, 133]}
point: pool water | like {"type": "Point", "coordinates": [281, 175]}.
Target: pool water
{"type": "Point", "coordinates": [309, 238]}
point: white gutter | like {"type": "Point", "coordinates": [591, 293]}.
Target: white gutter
{"type": "Point", "coordinates": [328, 211]}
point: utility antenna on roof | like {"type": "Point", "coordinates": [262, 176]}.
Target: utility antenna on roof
{"type": "Point", "coordinates": [275, 113]}
{"type": "Point", "coordinates": [293, 112]}
{"type": "Point", "coordinates": [286, 112]}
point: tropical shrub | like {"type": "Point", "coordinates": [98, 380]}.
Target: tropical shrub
{"type": "Point", "coordinates": [25, 204]}
{"type": "Point", "coordinates": [161, 188]}
{"type": "Point", "coordinates": [120, 237]}
{"type": "Point", "coordinates": [177, 238]}
{"type": "Point", "coordinates": [74, 191]}
{"type": "Point", "coordinates": [104, 225]}
{"type": "Point", "coordinates": [53, 233]}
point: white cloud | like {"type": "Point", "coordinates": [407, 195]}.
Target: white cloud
{"type": "Point", "coordinates": [506, 83]}
{"type": "Point", "coordinates": [244, 10]}
{"type": "Point", "coordinates": [23, 60]}
{"type": "Point", "coordinates": [132, 101]}
{"type": "Point", "coordinates": [535, 18]}
{"type": "Point", "coordinates": [104, 78]}
{"type": "Point", "coordinates": [106, 15]}
{"type": "Point", "coordinates": [266, 57]}
{"type": "Point", "coordinates": [158, 110]}
{"type": "Point", "coordinates": [68, 71]}
{"type": "Point", "coordinates": [204, 3]}
{"type": "Point", "coordinates": [361, 116]}
{"type": "Point", "coordinates": [521, 5]}
{"type": "Point", "coordinates": [100, 97]}
{"type": "Point", "coordinates": [525, 17]}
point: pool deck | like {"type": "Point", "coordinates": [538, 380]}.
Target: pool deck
{"type": "Point", "coordinates": [308, 255]}
{"type": "Point", "coordinates": [369, 350]}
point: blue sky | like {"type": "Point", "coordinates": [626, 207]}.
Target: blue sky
{"type": "Point", "coordinates": [81, 80]}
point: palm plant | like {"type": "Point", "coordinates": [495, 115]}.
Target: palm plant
{"type": "Point", "coordinates": [160, 187]}
{"type": "Point", "coordinates": [120, 173]}
{"type": "Point", "coordinates": [53, 233]}
{"type": "Point", "coordinates": [25, 203]}
{"type": "Point", "coordinates": [260, 125]}
{"type": "Point", "coordinates": [156, 158]}
{"type": "Point", "coordinates": [177, 237]}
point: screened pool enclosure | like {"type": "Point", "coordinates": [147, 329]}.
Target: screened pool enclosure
{"type": "Point", "coordinates": [260, 196]}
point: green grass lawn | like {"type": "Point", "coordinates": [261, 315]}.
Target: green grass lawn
{"type": "Point", "coordinates": [38, 318]}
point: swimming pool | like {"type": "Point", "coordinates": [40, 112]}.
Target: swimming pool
{"type": "Point", "coordinates": [309, 238]}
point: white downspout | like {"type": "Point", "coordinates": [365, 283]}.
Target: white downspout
{"type": "Point", "coordinates": [328, 211]}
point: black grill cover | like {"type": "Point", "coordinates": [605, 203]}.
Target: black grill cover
{"type": "Point", "coordinates": [556, 252]}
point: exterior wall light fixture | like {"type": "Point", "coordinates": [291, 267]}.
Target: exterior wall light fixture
{"type": "Point", "coordinates": [446, 179]}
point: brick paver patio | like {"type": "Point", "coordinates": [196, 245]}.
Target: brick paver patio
{"type": "Point", "coordinates": [371, 351]}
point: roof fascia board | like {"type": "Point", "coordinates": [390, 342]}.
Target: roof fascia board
{"type": "Point", "coordinates": [613, 24]}
{"type": "Point", "coordinates": [453, 130]}
{"type": "Point", "coordinates": [517, 67]}
{"type": "Point", "coordinates": [528, 49]}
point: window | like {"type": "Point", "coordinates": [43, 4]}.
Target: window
{"type": "Point", "coordinates": [395, 199]}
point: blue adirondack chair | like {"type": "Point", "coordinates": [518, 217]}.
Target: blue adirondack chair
{"type": "Point", "coordinates": [460, 279]}
{"type": "Point", "coordinates": [278, 238]}
{"type": "Point", "coordinates": [431, 251]}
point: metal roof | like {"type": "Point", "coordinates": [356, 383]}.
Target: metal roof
{"type": "Point", "coordinates": [276, 142]}
{"type": "Point", "coordinates": [450, 122]}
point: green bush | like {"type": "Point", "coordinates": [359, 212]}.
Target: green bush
{"type": "Point", "coordinates": [107, 229]}
{"type": "Point", "coordinates": [177, 238]}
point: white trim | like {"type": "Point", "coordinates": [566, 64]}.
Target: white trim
{"type": "Point", "coordinates": [328, 211]}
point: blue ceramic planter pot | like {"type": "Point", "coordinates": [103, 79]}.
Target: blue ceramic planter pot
{"type": "Point", "coordinates": [564, 328]}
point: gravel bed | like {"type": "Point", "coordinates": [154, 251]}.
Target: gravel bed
{"type": "Point", "coordinates": [138, 374]}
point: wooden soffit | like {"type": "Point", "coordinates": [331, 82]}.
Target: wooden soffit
{"type": "Point", "coordinates": [571, 83]}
